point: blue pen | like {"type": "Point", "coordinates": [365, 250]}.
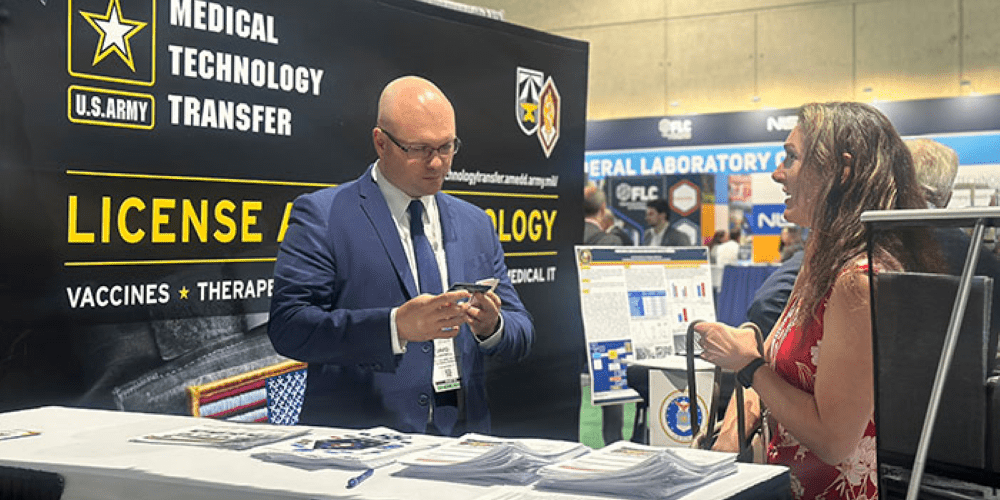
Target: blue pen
{"type": "Point", "coordinates": [354, 481]}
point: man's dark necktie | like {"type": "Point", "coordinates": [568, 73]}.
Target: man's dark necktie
{"type": "Point", "coordinates": [427, 269]}
{"type": "Point", "coordinates": [445, 403]}
{"type": "Point", "coordinates": [446, 412]}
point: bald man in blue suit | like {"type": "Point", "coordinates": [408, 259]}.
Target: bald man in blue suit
{"type": "Point", "coordinates": [350, 300]}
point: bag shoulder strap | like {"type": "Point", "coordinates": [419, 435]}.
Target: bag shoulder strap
{"type": "Point", "coordinates": [710, 412]}
{"type": "Point", "coordinates": [746, 451]}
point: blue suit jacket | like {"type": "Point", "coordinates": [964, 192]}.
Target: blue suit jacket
{"type": "Point", "coordinates": [340, 270]}
{"type": "Point", "coordinates": [771, 298]}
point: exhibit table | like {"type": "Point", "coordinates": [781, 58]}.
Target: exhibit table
{"type": "Point", "coordinates": [92, 451]}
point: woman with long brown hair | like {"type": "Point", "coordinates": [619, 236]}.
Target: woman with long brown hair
{"type": "Point", "coordinates": [815, 377]}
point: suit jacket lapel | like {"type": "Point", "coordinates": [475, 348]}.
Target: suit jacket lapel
{"type": "Point", "coordinates": [375, 207]}
{"type": "Point", "coordinates": [455, 257]}
{"type": "Point", "coordinates": [454, 252]}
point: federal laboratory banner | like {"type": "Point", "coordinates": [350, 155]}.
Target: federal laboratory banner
{"type": "Point", "coordinates": [150, 152]}
{"type": "Point", "coordinates": [744, 148]}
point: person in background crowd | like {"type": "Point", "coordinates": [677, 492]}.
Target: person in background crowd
{"type": "Point", "coordinates": [614, 226]}
{"type": "Point", "coordinates": [772, 295]}
{"type": "Point", "coordinates": [594, 226]}
{"type": "Point", "coordinates": [359, 278]}
{"type": "Point", "coordinates": [729, 251]}
{"type": "Point", "coordinates": [791, 242]}
{"type": "Point", "coordinates": [936, 168]}
{"type": "Point", "coordinates": [815, 376]}
{"type": "Point", "coordinates": [594, 208]}
{"type": "Point", "coordinates": [659, 233]}
{"type": "Point", "coordinates": [770, 299]}
{"type": "Point", "coordinates": [718, 238]}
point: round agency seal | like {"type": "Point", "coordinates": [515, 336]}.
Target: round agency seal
{"type": "Point", "coordinates": [675, 416]}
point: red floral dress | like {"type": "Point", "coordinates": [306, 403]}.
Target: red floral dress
{"type": "Point", "coordinates": [795, 351]}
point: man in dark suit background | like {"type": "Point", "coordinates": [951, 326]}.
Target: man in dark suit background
{"type": "Point", "coordinates": [659, 233]}
{"type": "Point", "coordinates": [359, 278]}
{"type": "Point", "coordinates": [594, 208]}
{"type": "Point", "coordinates": [613, 226]}
{"type": "Point", "coordinates": [936, 166]}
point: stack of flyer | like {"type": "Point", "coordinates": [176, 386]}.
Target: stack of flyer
{"type": "Point", "coordinates": [350, 449]}
{"type": "Point", "coordinates": [626, 469]}
{"type": "Point", "coordinates": [483, 459]}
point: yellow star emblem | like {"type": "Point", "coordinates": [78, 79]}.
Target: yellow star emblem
{"type": "Point", "coordinates": [529, 111]}
{"type": "Point", "coordinates": [115, 33]}
{"type": "Point", "coordinates": [184, 292]}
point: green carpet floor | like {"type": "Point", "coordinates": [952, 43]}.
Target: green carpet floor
{"type": "Point", "coordinates": [590, 421]}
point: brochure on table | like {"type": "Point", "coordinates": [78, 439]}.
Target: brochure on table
{"type": "Point", "coordinates": [636, 304]}
{"type": "Point", "coordinates": [223, 434]}
{"type": "Point", "coordinates": [625, 469]}
{"type": "Point", "coordinates": [487, 459]}
{"type": "Point", "coordinates": [352, 449]}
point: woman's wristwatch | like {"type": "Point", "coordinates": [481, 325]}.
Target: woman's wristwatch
{"type": "Point", "coordinates": [745, 375]}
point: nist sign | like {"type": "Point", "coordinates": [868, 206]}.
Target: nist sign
{"type": "Point", "coordinates": [768, 219]}
{"type": "Point", "coordinates": [782, 123]}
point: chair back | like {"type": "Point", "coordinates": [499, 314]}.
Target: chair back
{"type": "Point", "coordinates": [912, 312]}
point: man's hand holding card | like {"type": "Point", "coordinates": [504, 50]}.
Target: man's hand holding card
{"type": "Point", "coordinates": [483, 313]}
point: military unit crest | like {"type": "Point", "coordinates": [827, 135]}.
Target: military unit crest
{"type": "Point", "coordinates": [538, 107]}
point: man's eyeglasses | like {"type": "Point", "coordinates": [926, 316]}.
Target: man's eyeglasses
{"type": "Point", "coordinates": [424, 152]}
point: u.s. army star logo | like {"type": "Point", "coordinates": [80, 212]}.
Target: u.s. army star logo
{"type": "Point", "coordinates": [113, 40]}
{"type": "Point", "coordinates": [115, 33]}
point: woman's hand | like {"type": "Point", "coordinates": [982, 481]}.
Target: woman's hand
{"type": "Point", "coordinates": [725, 346]}
{"type": "Point", "coordinates": [728, 439]}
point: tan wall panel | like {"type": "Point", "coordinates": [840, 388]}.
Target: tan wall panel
{"type": "Point", "coordinates": [710, 64]}
{"type": "Point", "coordinates": [806, 50]}
{"type": "Point", "coordinates": [981, 45]}
{"type": "Point", "coordinates": [627, 74]}
{"type": "Point", "coordinates": [805, 55]}
{"type": "Point", "coordinates": [549, 15]}
{"type": "Point", "coordinates": [682, 8]}
{"type": "Point", "coordinates": [907, 49]}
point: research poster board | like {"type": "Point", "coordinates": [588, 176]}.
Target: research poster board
{"type": "Point", "coordinates": [151, 150]}
{"type": "Point", "coordinates": [637, 303]}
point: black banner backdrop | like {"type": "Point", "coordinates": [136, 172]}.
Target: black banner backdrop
{"type": "Point", "coordinates": [150, 151]}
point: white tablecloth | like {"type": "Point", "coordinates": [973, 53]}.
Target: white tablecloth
{"type": "Point", "coordinates": [91, 449]}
